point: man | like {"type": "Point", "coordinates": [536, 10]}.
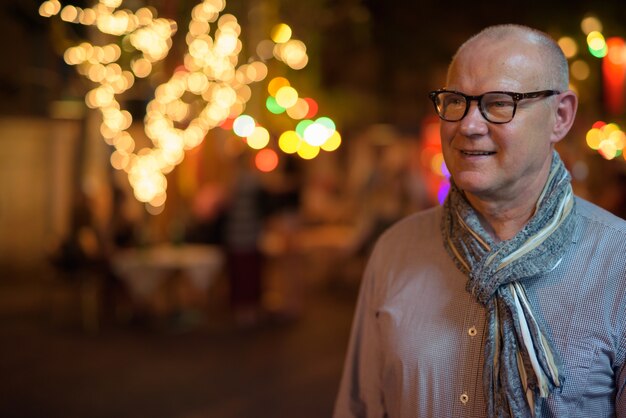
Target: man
{"type": "Point", "coordinates": [510, 300]}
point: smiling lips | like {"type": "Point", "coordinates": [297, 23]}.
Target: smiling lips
{"type": "Point", "coordinates": [476, 153]}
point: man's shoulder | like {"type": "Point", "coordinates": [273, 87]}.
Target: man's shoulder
{"type": "Point", "coordinates": [599, 217]}
{"type": "Point", "coordinates": [411, 241]}
{"type": "Point", "coordinates": [427, 217]}
{"type": "Point", "coordinates": [415, 227]}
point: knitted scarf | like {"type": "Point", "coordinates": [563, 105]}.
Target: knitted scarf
{"type": "Point", "coordinates": [520, 361]}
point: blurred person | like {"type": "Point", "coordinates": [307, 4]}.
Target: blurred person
{"type": "Point", "coordinates": [509, 300]}
{"type": "Point", "coordinates": [283, 296]}
{"type": "Point", "coordinates": [207, 215]}
{"type": "Point", "coordinates": [245, 213]}
{"type": "Point", "coordinates": [83, 249]}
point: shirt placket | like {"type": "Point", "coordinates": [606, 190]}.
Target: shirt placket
{"type": "Point", "coordinates": [472, 342]}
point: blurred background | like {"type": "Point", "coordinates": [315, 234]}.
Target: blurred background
{"type": "Point", "coordinates": [189, 189]}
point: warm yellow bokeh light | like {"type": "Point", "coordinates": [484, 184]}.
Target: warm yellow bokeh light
{"type": "Point", "coordinates": [590, 24]}
{"type": "Point", "coordinates": [332, 143]}
{"type": "Point", "coordinates": [265, 49]}
{"type": "Point", "coordinates": [608, 139]}
{"type": "Point", "coordinates": [275, 84]}
{"type": "Point", "coordinates": [568, 45]}
{"type": "Point", "coordinates": [292, 53]}
{"type": "Point", "coordinates": [618, 138]}
{"type": "Point", "coordinates": [436, 163]}
{"type": "Point", "coordinates": [49, 8]}
{"type": "Point", "coordinates": [299, 110]}
{"type": "Point", "coordinates": [307, 152]}
{"type": "Point", "coordinates": [580, 70]}
{"type": "Point", "coordinates": [281, 33]}
{"type": "Point", "coordinates": [69, 14]}
{"type": "Point", "coordinates": [260, 71]}
{"type": "Point", "coordinates": [609, 128]}
{"type": "Point", "coordinates": [141, 67]}
{"type": "Point", "coordinates": [596, 41]}
{"type": "Point", "coordinates": [289, 142]}
{"type": "Point", "coordinates": [286, 96]}
{"type": "Point", "coordinates": [607, 149]}
{"type": "Point", "coordinates": [259, 138]}
{"type": "Point", "coordinates": [594, 137]}
{"type": "Point", "coordinates": [158, 201]}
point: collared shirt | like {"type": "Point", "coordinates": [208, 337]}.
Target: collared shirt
{"type": "Point", "coordinates": [417, 341]}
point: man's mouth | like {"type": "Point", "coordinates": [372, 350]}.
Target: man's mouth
{"type": "Point", "coordinates": [477, 153]}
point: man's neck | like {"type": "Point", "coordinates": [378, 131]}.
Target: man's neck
{"type": "Point", "coordinates": [505, 212]}
{"type": "Point", "coordinates": [503, 220]}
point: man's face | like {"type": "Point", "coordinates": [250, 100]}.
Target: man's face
{"type": "Point", "coordinates": [500, 162]}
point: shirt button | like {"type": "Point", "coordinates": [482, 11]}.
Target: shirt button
{"type": "Point", "coordinates": [464, 398]}
{"type": "Point", "coordinates": [472, 331]}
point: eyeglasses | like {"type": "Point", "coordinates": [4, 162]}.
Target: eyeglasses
{"type": "Point", "coordinates": [495, 106]}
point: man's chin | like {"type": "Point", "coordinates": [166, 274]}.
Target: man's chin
{"type": "Point", "coordinates": [473, 183]}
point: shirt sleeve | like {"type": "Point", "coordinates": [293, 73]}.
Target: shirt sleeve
{"type": "Point", "coordinates": [360, 393]}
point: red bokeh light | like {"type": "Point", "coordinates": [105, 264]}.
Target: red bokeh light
{"type": "Point", "coordinates": [266, 160]}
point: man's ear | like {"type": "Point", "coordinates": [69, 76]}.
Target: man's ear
{"type": "Point", "coordinates": [565, 115]}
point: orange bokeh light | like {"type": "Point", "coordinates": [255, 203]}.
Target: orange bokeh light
{"type": "Point", "coordinates": [266, 160]}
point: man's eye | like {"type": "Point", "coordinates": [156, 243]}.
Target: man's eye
{"type": "Point", "coordinates": [499, 104]}
{"type": "Point", "coordinates": [454, 101]}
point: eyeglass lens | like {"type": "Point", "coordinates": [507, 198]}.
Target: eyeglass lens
{"type": "Point", "coordinates": [496, 107]}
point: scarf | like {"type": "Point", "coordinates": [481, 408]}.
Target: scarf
{"type": "Point", "coordinates": [521, 363]}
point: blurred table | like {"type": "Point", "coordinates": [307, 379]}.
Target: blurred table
{"type": "Point", "coordinates": [143, 270]}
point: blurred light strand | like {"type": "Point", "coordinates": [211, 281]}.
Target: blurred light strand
{"type": "Point", "coordinates": [210, 72]}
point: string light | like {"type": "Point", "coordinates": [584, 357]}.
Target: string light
{"type": "Point", "coordinates": [209, 72]}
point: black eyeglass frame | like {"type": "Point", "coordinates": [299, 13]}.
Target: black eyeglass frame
{"type": "Point", "coordinates": [468, 101]}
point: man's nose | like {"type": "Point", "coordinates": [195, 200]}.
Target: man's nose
{"type": "Point", "coordinates": [474, 123]}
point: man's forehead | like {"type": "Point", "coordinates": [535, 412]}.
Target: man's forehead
{"type": "Point", "coordinates": [507, 44]}
{"type": "Point", "coordinates": [499, 53]}
{"type": "Point", "coordinates": [495, 69]}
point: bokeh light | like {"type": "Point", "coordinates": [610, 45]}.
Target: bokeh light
{"type": "Point", "coordinates": [266, 160]}
{"type": "Point", "coordinates": [332, 143]}
{"type": "Point", "coordinates": [307, 151]}
{"type": "Point", "coordinates": [568, 45]}
{"type": "Point", "coordinates": [275, 84]}
{"type": "Point", "coordinates": [580, 70]}
{"type": "Point", "coordinates": [272, 106]}
{"type": "Point", "coordinates": [590, 24]}
{"type": "Point", "coordinates": [259, 138]}
{"type": "Point", "coordinates": [597, 44]}
{"type": "Point", "coordinates": [616, 51]}
{"type": "Point", "coordinates": [281, 33]}
{"type": "Point", "coordinates": [302, 125]}
{"type": "Point", "coordinates": [313, 108]}
{"type": "Point", "coordinates": [606, 138]}
{"type": "Point", "coordinates": [299, 110]}
{"type": "Point", "coordinates": [286, 96]}
{"type": "Point", "coordinates": [316, 134]}
{"type": "Point", "coordinates": [442, 192]}
{"type": "Point", "coordinates": [243, 125]}
{"type": "Point", "coordinates": [289, 142]}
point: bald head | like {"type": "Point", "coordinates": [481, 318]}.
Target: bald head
{"type": "Point", "coordinates": [555, 67]}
